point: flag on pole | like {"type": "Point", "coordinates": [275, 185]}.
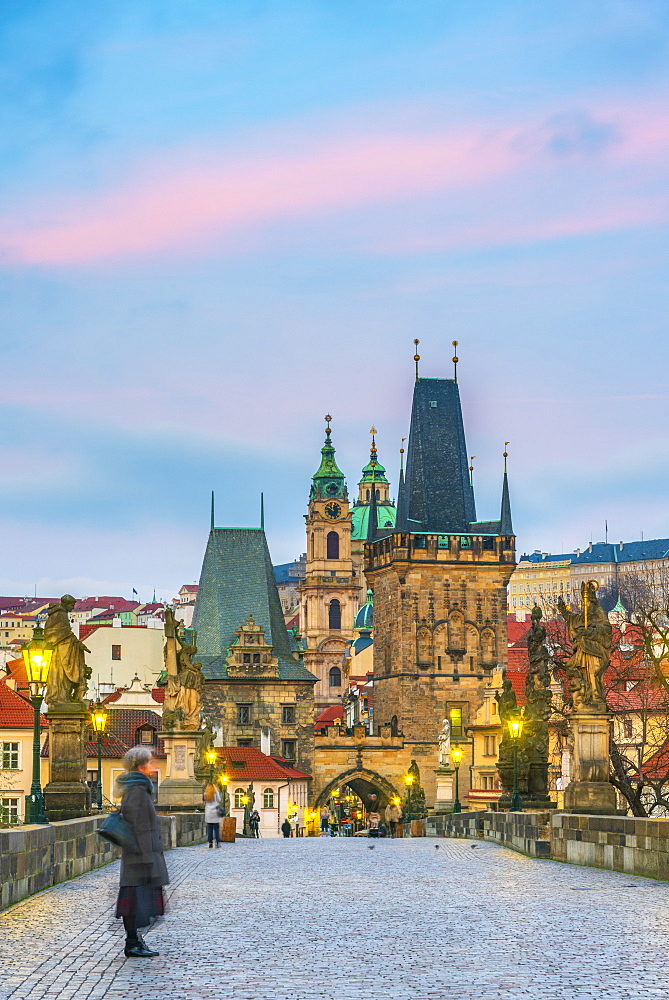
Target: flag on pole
{"type": "Point", "coordinates": [134, 591]}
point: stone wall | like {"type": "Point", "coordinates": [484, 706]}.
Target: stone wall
{"type": "Point", "coordinates": [35, 857]}
{"type": "Point", "coordinates": [619, 843]}
{"type": "Point", "coordinates": [624, 843]}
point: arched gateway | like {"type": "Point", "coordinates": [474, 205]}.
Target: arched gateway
{"type": "Point", "coordinates": [364, 783]}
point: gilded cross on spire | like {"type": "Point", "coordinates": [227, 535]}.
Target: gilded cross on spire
{"type": "Point", "coordinates": [328, 421]}
{"type": "Point", "coordinates": [372, 450]}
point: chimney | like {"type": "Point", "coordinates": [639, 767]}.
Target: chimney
{"type": "Point", "coordinates": [590, 547]}
{"type": "Point", "coordinates": [621, 546]}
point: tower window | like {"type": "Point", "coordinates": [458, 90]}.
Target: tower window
{"type": "Point", "coordinates": [332, 545]}
{"type": "Point", "coordinates": [335, 677]}
{"type": "Point", "coordinates": [334, 614]}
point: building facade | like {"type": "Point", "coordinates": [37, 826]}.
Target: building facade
{"type": "Point", "coordinates": [440, 587]}
{"type": "Point", "coordinates": [330, 592]}
{"type": "Point", "coordinates": [257, 693]}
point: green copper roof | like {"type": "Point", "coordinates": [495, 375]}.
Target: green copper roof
{"type": "Point", "coordinates": [385, 515]}
{"type": "Point", "coordinates": [237, 580]}
{"type": "Point", "coordinates": [373, 472]}
{"type": "Point", "coordinates": [364, 619]}
{"type": "Point", "coordinates": [328, 480]}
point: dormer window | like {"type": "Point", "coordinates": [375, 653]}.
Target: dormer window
{"type": "Point", "coordinates": [146, 735]}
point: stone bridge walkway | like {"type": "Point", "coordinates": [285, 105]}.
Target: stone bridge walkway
{"type": "Point", "coordinates": [330, 919]}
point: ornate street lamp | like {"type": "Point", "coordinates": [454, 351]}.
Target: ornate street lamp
{"type": "Point", "coordinates": [225, 798]}
{"type": "Point", "coordinates": [212, 760]}
{"type": "Point", "coordinates": [99, 725]}
{"type": "Point", "coordinates": [456, 757]}
{"type": "Point", "coordinates": [408, 781]}
{"type": "Point", "coordinates": [37, 659]}
{"type": "Point", "coordinates": [515, 732]}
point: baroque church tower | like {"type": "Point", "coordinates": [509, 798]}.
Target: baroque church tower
{"type": "Point", "coordinates": [329, 594]}
{"type": "Point", "coordinates": [439, 581]}
{"type": "Point", "coordinates": [373, 492]}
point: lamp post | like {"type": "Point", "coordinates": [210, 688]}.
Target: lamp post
{"type": "Point", "coordinates": [515, 732]}
{"type": "Point", "coordinates": [99, 724]}
{"type": "Point", "coordinates": [212, 759]}
{"type": "Point", "coordinates": [37, 659]}
{"type": "Point", "coordinates": [224, 797]}
{"type": "Point", "coordinates": [245, 803]}
{"type": "Point", "coordinates": [408, 781]}
{"type": "Point", "coordinates": [456, 757]}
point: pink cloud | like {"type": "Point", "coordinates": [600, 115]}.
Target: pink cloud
{"type": "Point", "coordinates": [162, 208]}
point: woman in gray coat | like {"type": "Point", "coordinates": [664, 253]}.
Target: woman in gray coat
{"type": "Point", "coordinates": [143, 870]}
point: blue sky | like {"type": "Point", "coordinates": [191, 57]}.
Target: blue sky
{"type": "Point", "coordinates": [219, 222]}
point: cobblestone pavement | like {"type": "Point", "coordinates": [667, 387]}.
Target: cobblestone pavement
{"type": "Point", "coordinates": [330, 919]}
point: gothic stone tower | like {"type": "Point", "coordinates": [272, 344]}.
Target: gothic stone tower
{"type": "Point", "coordinates": [439, 583]}
{"type": "Point", "coordinates": [329, 593]}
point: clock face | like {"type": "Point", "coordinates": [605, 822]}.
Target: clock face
{"type": "Point", "coordinates": [332, 509]}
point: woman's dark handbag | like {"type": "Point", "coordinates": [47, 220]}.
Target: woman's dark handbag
{"type": "Point", "coordinates": [118, 831]}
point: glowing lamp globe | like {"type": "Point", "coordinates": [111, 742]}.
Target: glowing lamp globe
{"type": "Point", "coordinates": [98, 720]}
{"type": "Point", "coordinates": [37, 659]}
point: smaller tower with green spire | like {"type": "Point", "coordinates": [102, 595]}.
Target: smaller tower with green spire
{"type": "Point", "coordinates": [328, 483]}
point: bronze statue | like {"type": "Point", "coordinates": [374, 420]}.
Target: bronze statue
{"type": "Point", "coordinates": [68, 676]}
{"type": "Point", "coordinates": [538, 694]}
{"type": "Point", "coordinates": [415, 803]}
{"type": "Point", "coordinates": [185, 681]}
{"type": "Point", "coordinates": [508, 706]}
{"type": "Point", "coordinates": [590, 635]}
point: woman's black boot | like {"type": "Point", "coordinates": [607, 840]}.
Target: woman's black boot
{"type": "Point", "coordinates": [137, 949]}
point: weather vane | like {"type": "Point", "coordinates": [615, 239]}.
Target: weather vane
{"type": "Point", "coordinates": [506, 454]}
{"type": "Point", "coordinates": [416, 357]}
{"type": "Point", "coordinates": [455, 360]}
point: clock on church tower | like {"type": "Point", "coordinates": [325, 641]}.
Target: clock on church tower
{"type": "Point", "coordinates": [329, 593]}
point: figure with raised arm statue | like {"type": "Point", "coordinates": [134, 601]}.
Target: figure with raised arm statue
{"type": "Point", "coordinates": [185, 681]}
{"type": "Point", "coordinates": [444, 739]}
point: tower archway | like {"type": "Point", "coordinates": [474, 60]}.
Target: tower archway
{"type": "Point", "coordinates": [364, 783]}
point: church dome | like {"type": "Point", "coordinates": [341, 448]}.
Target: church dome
{"type": "Point", "coordinates": [364, 619]}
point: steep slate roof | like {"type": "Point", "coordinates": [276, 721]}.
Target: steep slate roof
{"type": "Point", "coordinates": [237, 580]}
{"type": "Point", "coordinates": [438, 492]}
{"type": "Point", "coordinates": [257, 766]}
{"type": "Point", "coordinates": [607, 552]}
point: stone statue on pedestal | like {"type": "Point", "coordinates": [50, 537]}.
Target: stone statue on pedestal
{"type": "Point", "coordinates": [537, 711]}
{"type": "Point", "coordinates": [185, 681]}
{"type": "Point", "coordinates": [68, 676]}
{"type": "Point", "coordinates": [444, 739]}
{"type": "Point", "coordinates": [590, 635]}
{"type": "Point", "coordinates": [415, 803]}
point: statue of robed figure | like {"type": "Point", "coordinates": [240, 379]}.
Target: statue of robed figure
{"type": "Point", "coordinates": [590, 635]}
{"type": "Point", "coordinates": [185, 681]}
{"type": "Point", "coordinates": [68, 676]}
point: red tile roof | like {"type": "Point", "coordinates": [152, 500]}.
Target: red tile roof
{"type": "Point", "coordinates": [257, 766]}
{"type": "Point", "coordinates": [122, 726]}
{"type": "Point", "coordinates": [15, 711]}
{"type": "Point", "coordinates": [328, 717]}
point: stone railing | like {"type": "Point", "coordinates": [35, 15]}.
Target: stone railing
{"type": "Point", "coordinates": [619, 843]}
{"type": "Point", "coordinates": [35, 857]}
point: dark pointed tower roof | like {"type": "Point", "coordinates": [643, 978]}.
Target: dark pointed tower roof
{"type": "Point", "coordinates": [505, 525]}
{"type": "Point", "coordinates": [237, 580]}
{"type": "Point", "coordinates": [439, 495]}
{"type": "Point", "coordinates": [401, 519]}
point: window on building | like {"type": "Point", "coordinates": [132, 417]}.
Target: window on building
{"type": "Point", "coordinates": [268, 798]}
{"type": "Point", "coordinates": [244, 743]}
{"type": "Point", "coordinates": [332, 545]}
{"type": "Point", "coordinates": [334, 614]}
{"type": "Point", "coordinates": [288, 715]}
{"type": "Point", "coordinates": [146, 735]}
{"type": "Point", "coordinates": [514, 602]}
{"type": "Point", "coordinates": [628, 729]}
{"type": "Point", "coordinates": [489, 746]}
{"type": "Point", "coordinates": [246, 658]}
{"type": "Point", "coordinates": [494, 708]}
{"type": "Point", "coordinates": [9, 810]}
{"type": "Point", "coordinates": [513, 589]}
{"type": "Point", "coordinates": [288, 749]}
{"type": "Point", "coordinates": [335, 677]}
{"type": "Point", "coordinates": [116, 652]}
{"type": "Point", "coordinates": [243, 715]}
{"type": "Point", "coordinates": [10, 756]}
{"type": "Point", "coordinates": [455, 715]}
{"type": "Point", "coordinates": [239, 795]}
{"type": "Point", "coordinates": [488, 782]}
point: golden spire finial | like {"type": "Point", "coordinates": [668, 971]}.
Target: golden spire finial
{"type": "Point", "coordinates": [402, 454]}
{"type": "Point", "coordinates": [471, 469]}
{"type": "Point", "coordinates": [506, 454]}
{"type": "Point", "coordinates": [328, 421]}
{"type": "Point", "coordinates": [455, 360]}
{"type": "Point", "coordinates": [372, 450]}
{"type": "Point", "coordinates": [416, 357]}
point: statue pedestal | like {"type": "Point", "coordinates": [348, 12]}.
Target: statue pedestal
{"type": "Point", "coordinates": [444, 795]}
{"type": "Point", "coordinates": [180, 790]}
{"type": "Point", "coordinates": [590, 791]}
{"type": "Point", "coordinates": [67, 796]}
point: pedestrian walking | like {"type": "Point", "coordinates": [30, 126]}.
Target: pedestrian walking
{"type": "Point", "coordinates": [254, 823]}
{"type": "Point", "coordinates": [212, 814]}
{"type": "Point", "coordinates": [286, 828]}
{"type": "Point", "coordinates": [393, 817]}
{"type": "Point", "coordinates": [373, 820]}
{"type": "Point", "coordinates": [325, 821]}
{"type": "Point", "coordinates": [140, 899]}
